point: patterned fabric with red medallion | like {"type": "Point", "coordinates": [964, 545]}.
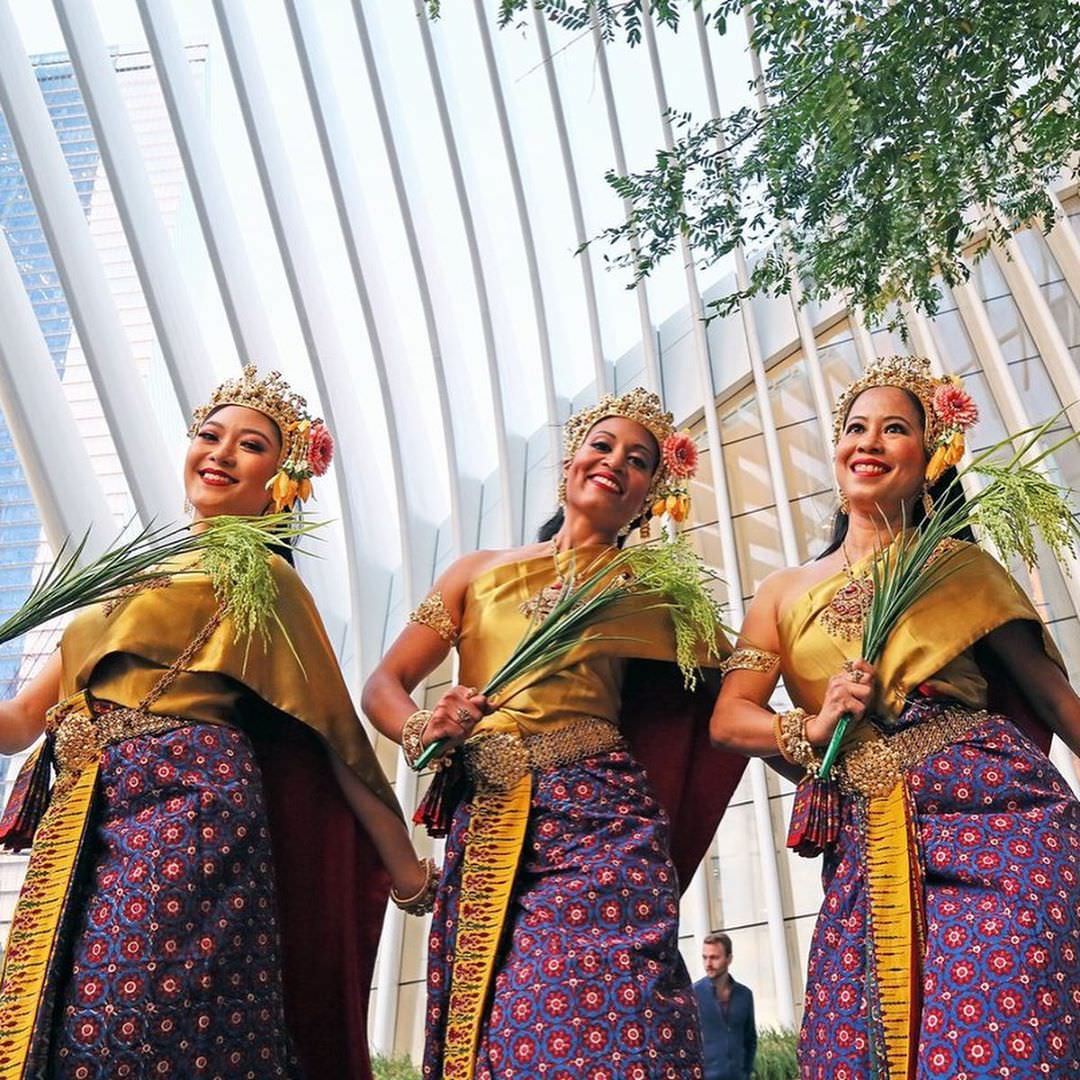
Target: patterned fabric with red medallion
{"type": "Point", "coordinates": [591, 985]}
{"type": "Point", "coordinates": [176, 969]}
{"type": "Point", "coordinates": [999, 850]}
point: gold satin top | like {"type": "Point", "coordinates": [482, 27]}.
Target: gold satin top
{"type": "Point", "coordinates": [120, 654]}
{"type": "Point", "coordinates": [587, 681]}
{"type": "Point", "coordinates": [932, 642]}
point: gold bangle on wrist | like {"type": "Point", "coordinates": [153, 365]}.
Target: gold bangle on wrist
{"type": "Point", "coordinates": [794, 745]}
{"type": "Point", "coordinates": [412, 735]}
{"type": "Point", "coordinates": [778, 735]}
{"type": "Point", "coordinates": [424, 899]}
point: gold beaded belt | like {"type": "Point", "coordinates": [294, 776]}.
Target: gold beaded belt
{"type": "Point", "coordinates": [82, 728]}
{"type": "Point", "coordinates": [873, 767]}
{"type": "Point", "coordinates": [497, 760]}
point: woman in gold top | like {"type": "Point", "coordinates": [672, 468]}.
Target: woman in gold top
{"type": "Point", "coordinates": [201, 899]}
{"type": "Point", "coordinates": [554, 947]}
{"type": "Point", "coordinates": [948, 944]}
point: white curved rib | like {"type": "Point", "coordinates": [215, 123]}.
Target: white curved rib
{"type": "Point", "coordinates": [166, 293]}
{"type": "Point", "coordinates": [124, 399]}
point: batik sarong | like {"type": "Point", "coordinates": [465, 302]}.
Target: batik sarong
{"type": "Point", "coordinates": [172, 962]}
{"type": "Point", "coordinates": [996, 836]}
{"type": "Point", "coordinates": [589, 984]}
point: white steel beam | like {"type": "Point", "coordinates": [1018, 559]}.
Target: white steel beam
{"type": "Point", "coordinates": [543, 335]}
{"type": "Point", "coordinates": [1035, 311]}
{"type": "Point", "coordinates": [163, 286]}
{"type": "Point", "coordinates": [601, 369]}
{"type": "Point", "coordinates": [244, 309]}
{"type": "Point", "coordinates": [453, 435]}
{"type": "Point", "coordinates": [653, 378]}
{"type": "Point", "coordinates": [153, 481]}
{"type": "Point", "coordinates": [758, 782]}
{"type": "Point", "coordinates": [1064, 245]}
{"type": "Point", "coordinates": [66, 491]}
{"type": "Point", "coordinates": [511, 476]}
{"type": "Point", "coordinates": [367, 539]}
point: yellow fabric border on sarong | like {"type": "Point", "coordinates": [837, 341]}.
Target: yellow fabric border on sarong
{"type": "Point", "coordinates": [493, 844]}
{"type": "Point", "coordinates": [896, 916]}
{"type": "Point", "coordinates": [39, 913]}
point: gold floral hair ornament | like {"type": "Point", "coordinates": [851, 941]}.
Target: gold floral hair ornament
{"type": "Point", "coordinates": [668, 492]}
{"type": "Point", "coordinates": [948, 409]}
{"type": "Point", "coordinates": [307, 447]}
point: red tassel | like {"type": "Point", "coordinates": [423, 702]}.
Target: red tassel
{"type": "Point", "coordinates": [28, 800]}
{"type": "Point", "coordinates": [815, 817]}
{"type": "Point", "coordinates": [436, 809]}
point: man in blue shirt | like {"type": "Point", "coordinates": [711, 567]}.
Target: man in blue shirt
{"type": "Point", "coordinates": [727, 1015]}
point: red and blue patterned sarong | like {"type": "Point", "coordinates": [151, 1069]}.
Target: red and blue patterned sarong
{"type": "Point", "coordinates": [589, 984]}
{"type": "Point", "coordinates": [998, 838]}
{"type": "Point", "coordinates": [174, 965]}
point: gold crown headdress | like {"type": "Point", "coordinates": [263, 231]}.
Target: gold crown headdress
{"type": "Point", "coordinates": [306, 445]}
{"type": "Point", "coordinates": [948, 410]}
{"type": "Point", "coordinates": [678, 455]}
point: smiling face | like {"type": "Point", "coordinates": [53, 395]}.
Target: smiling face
{"type": "Point", "coordinates": [880, 458]}
{"type": "Point", "coordinates": [230, 459]}
{"type": "Point", "coordinates": [610, 475]}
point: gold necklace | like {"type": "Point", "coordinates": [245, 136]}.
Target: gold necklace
{"type": "Point", "coordinates": [538, 607]}
{"type": "Point", "coordinates": [846, 612]}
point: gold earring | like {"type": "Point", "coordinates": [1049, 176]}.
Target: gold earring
{"type": "Point", "coordinates": [845, 506]}
{"type": "Point", "coordinates": [562, 490]}
{"type": "Point", "coordinates": [927, 500]}
{"type": "Point", "coordinates": [643, 528]}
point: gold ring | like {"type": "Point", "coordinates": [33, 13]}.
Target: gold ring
{"type": "Point", "coordinates": [463, 716]}
{"type": "Point", "coordinates": [857, 675]}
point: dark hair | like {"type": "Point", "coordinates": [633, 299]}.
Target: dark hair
{"type": "Point", "coordinates": [555, 523]}
{"type": "Point", "coordinates": [941, 491]}
{"type": "Point", "coordinates": [718, 938]}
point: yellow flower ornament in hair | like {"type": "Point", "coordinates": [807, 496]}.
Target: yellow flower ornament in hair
{"type": "Point", "coordinates": [955, 412]}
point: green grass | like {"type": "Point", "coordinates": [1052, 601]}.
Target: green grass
{"type": "Point", "coordinates": [394, 1068]}
{"type": "Point", "coordinates": [775, 1058]}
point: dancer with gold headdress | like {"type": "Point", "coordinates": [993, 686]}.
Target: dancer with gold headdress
{"type": "Point", "coordinates": [554, 948]}
{"type": "Point", "coordinates": [202, 899]}
{"type": "Point", "coordinates": [948, 943]}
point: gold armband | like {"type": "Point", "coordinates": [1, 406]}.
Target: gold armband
{"type": "Point", "coordinates": [747, 658]}
{"type": "Point", "coordinates": [432, 613]}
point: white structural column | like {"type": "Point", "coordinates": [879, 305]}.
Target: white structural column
{"type": "Point", "coordinates": [1064, 245]}
{"type": "Point", "coordinates": [511, 475]}
{"type": "Point", "coordinates": [543, 335]}
{"type": "Point", "coordinates": [864, 343]}
{"type": "Point", "coordinates": [758, 779]}
{"type": "Point", "coordinates": [641, 293]}
{"type": "Point", "coordinates": [367, 539]}
{"type": "Point", "coordinates": [759, 788]}
{"type": "Point", "coordinates": [1004, 391]}
{"type": "Point", "coordinates": [601, 370]}
{"type": "Point", "coordinates": [417, 527]}
{"type": "Point", "coordinates": [1029, 298]}
{"type": "Point", "coordinates": [167, 296]}
{"type": "Point", "coordinates": [418, 502]}
{"type": "Point", "coordinates": [53, 457]}
{"type": "Point", "coordinates": [822, 404]}
{"type": "Point", "coordinates": [453, 437]}
{"type": "Point", "coordinates": [152, 480]}
{"type": "Point", "coordinates": [244, 309]}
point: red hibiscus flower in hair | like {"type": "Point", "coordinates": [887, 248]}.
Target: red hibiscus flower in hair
{"type": "Point", "coordinates": [954, 407]}
{"type": "Point", "coordinates": [320, 448]}
{"type": "Point", "coordinates": [679, 455]}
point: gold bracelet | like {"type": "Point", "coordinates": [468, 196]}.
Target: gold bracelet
{"type": "Point", "coordinates": [424, 900]}
{"type": "Point", "coordinates": [412, 736]}
{"type": "Point", "coordinates": [793, 740]}
{"type": "Point", "coordinates": [778, 735]}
